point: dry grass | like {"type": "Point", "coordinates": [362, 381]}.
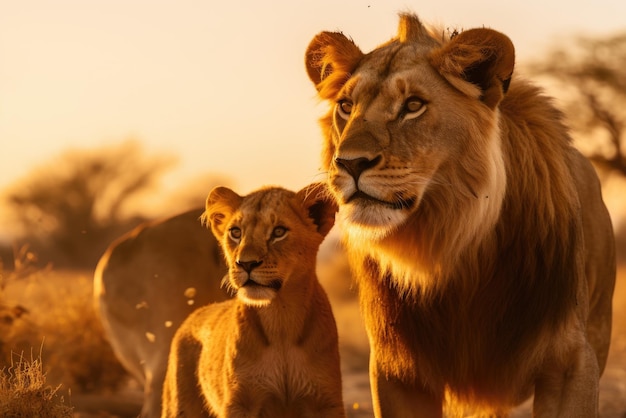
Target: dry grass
{"type": "Point", "coordinates": [17, 332]}
{"type": "Point", "coordinates": [52, 312]}
{"type": "Point", "coordinates": [25, 394]}
{"type": "Point", "coordinates": [58, 316]}
{"type": "Point", "coordinates": [75, 346]}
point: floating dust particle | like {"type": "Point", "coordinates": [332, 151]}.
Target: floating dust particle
{"type": "Point", "coordinates": [355, 406]}
{"type": "Point", "coordinates": [168, 324]}
{"type": "Point", "coordinates": [190, 292]}
{"type": "Point", "coordinates": [150, 337]}
{"type": "Point", "coordinates": [142, 305]}
{"type": "Point", "coordinates": [190, 302]}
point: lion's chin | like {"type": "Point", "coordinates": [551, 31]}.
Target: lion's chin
{"type": "Point", "coordinates": [258, 295]}
{"type": "Point", "coordinates": [371, 221]}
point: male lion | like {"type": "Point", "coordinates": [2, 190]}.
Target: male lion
{"type": "Point", "coordinates": [482, 248]}
{"type": "Point", "coordinates": [272, 351]}
{"type": "Point", "coordinates": [146, 283]}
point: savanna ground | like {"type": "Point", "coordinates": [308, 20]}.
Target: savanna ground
{"type": "Point", "coordinates": [57, 330]}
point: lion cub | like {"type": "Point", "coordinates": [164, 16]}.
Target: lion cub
{"type": "Point", "coordinates": [271, 351]}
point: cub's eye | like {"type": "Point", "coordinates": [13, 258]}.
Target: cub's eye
{"type": "Point", "coordinates": [234, 233]}
{"type": "Point", "coordinates": [413, 107]}
{"type": "Point", "coordinates": [279, 233]}
{"type": "Point", "coordinates": [344, 108]}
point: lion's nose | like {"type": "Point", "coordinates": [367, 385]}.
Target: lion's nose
{"type": "Point", "coordinates": [357, 166]}
{"type": "Point", "coordinates": [248, 266]}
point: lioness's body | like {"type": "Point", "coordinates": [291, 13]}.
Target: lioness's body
{"type": "Point", "coordinates": [482, 248]}
{"type": "Point", "coordinates": [146, 284]}
{"type": "Point", "coordinates": [272, 351]}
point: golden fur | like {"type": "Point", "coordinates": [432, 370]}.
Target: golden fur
{"type": "Point", "coordinates": [146, 283]}
{"type": "Point", "coordinates": [482, 248]}
{"type": "Point", "coordinates": [272, 351]}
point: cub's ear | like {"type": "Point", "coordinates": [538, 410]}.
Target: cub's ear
{"type": "Point", "coordinates": [220, 205]}
{"type": "Point", "coordinates": [330, 60]}
{"type": "Point", "coordinates": [320, 205]}
{"type": "Point", "coordinates": [483, 57]}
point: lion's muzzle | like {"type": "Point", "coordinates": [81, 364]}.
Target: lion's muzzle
{"type": "Point", "coordinates": [355, 167]}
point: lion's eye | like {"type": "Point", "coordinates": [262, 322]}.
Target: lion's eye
{"type": "Point", "coordinates": [413, 107]}
{"type": "Point", "coordinates": [234, 233]}
{"type": "Point", "coordinates": [344, 108]}
{"type": "Point", "coordinates": [279, 233]}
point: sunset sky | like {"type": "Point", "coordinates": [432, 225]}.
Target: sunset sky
{"type": "Point", "coordinates": [220, 84]}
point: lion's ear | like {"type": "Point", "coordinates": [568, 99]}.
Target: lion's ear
{"type": "Point", "coordinates": [320, 206]}
{"type": "Point", "coordinates": [483, 57]}
{"type": "Point", "coordinates": [220, 205]}
{"type": "Point", "coordinates": [330, 60]}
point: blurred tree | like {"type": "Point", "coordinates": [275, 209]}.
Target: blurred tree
{"type": "Point", "coordinates": [74, 206]}
{"type": "Point", "coordinates": [590, 75]}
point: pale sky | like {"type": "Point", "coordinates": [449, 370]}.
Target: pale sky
{"type": "Point", "coordinates": [221, 84]}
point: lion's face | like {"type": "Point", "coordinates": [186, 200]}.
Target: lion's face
{"type": "Point", "coordinates": [406, 136]}
{"type": "Point", "coordinates": [397, 136]}
{"type": "Point", "coordinates": [269, 236]}
{"type": "Point", "coordinates": [255, 247]}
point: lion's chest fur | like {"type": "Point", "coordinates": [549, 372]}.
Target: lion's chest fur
{"type": "Point", "coordinates": [463, 341]}
{"type": "Point", "coordinates": [278, 369]}
{"type": "Point", "coordinates": [282, 372]}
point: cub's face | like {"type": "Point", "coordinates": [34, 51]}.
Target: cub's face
{"type": "Point", "coordinates": [270, 237]}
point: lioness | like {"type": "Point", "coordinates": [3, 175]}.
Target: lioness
{"type": "Point", "coordinates": [482, 248]}
{"type": "Point", "coordinates": [272, 351]}
{"type": "Point", "coordinates": [146, 283]}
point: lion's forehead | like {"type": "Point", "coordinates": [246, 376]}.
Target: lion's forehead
{"type": "Point", "coordinates": [382, 93]}
{"type": "Point", "coordinates": [263, 217]}
{"type": "Point", "coordinates": [389, 58]}
{"type": "Point", "coordinates": [266, 198]}
{"type": "Point", "coordinates": [260, 216]}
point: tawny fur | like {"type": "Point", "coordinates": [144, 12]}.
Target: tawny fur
{"type": "Point", "coordinates": [272, 351]}
{"type": "Point", "coordinates": [483, 251]}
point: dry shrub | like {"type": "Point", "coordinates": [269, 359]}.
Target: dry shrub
{"type": "Point", "coordinates": [76, 350]}
{"type": "Point", "coordinates": [61, 315]}
{"type": "Point", "coordinates": [25, 394]}
{"type": "Point", "coordinates": [17, 332]}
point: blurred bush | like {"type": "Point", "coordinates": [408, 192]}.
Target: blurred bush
{"type": "Point", "coordinates": [70, 209]}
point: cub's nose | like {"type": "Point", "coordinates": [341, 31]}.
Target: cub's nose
{"type": "Point", "coordinates": [248, 266]}
{"type": "Point", "coordinates": [356, 166]}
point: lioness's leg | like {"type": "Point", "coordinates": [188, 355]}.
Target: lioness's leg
{"type": "Point", "coordinates": [393, 398]}
{"type": "Point", "coordinates": [153, 387]}
{"type": "Point", "coordinates": [570, 390]}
